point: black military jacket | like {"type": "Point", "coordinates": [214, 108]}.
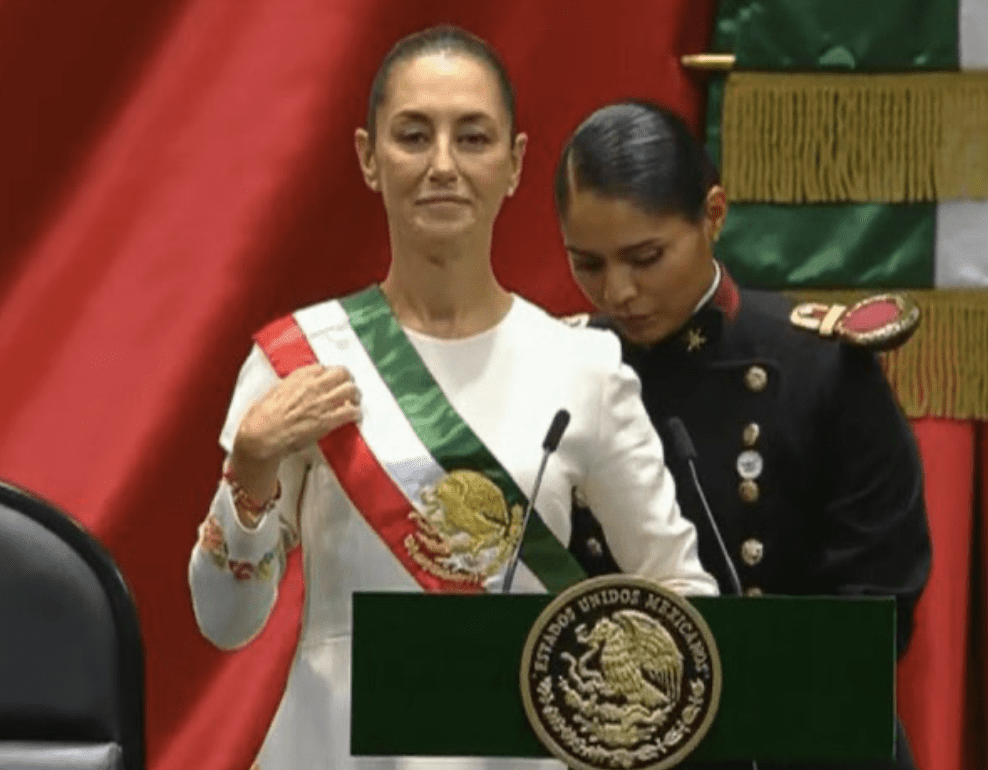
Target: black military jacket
{"type": "Point", "coordinates": [811, 470]}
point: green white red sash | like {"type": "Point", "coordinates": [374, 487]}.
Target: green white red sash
{"type": "Point", "coordinates": [413, 457]}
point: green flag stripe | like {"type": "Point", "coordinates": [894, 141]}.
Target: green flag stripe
{"type": "Point", "coordinates": [839, 35]}
{"type": "Point", "coordinates": [839, 245]}
{"type": "Point", "coordinates": [444, 433]}
{"type": "Point", "coordinates": [830, 246]}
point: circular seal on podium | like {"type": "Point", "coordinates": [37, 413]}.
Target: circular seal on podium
{"type": "Point", "coordinates": [618, 673]}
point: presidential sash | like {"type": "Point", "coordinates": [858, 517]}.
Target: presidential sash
{"type": "Point", "coordinates": [425, 483]}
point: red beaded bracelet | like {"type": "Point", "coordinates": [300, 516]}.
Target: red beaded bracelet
{"type": "Point", "coordinates": [247, 504]}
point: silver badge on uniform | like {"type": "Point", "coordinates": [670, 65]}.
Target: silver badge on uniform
{"type": "Point", "coordinates": [750, 464]}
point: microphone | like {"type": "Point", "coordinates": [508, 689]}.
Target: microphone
{"type": "Point", "coordinates": [683, 445]}
{"type": "Point", "coordinates": [555, 433]}
{"type": "Point", "coordinates": [549, 445]}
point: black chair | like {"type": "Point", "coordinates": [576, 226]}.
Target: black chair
{"type": "Point", "coordinates": [71, 655]}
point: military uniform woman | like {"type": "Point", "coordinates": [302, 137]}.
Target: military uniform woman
{"type": "Point", "coordinates": [811, 470]}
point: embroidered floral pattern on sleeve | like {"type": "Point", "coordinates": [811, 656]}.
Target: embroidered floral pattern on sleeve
{"type": "Point", "coordinates": [213, 542]}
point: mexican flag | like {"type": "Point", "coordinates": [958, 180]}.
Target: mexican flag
{"type": "Point", "coordinates": [853, 141]}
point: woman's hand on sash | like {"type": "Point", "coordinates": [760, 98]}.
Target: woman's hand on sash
{"type": "Point", "coordinates": [300, 410]}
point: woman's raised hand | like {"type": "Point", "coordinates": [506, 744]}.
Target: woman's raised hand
{"type": "Point", "coordinates": [300, 410]}
{"type": "Point", "coordinates": [309, 403]}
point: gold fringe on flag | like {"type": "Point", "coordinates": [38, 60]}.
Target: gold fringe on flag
{"type": "Point", "coordinates": [942, 371]}
{"type": "Point", "coordinates": [825, 137]}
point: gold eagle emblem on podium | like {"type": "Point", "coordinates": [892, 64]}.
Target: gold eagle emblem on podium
{"type": "Point", "coordinates": [637, 663]}
{"type": "Point", "coordinates": [620, 674]}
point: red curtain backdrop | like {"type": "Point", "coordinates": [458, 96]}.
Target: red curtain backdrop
{"type": "Point", "coordinates": [942, 678]}
{"type": "Point", "coordinates": [175, 174]}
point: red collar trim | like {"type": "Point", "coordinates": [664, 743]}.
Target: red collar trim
{"type": "Point", "coordinates": [727, 297]}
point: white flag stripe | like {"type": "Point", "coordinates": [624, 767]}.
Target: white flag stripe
{"type": "Point", "coordinates": [961, 252]}
{"type": "Point", "coordinates": [962, 245]}
{"type": "Point", "coordinates": [973, 20]}
{"type": "Point", "coordinates": [383, 425]}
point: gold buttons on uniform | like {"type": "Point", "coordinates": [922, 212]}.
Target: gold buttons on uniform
{"type": "Point", "coordinates": [594, 547]}
{"type": "Point", "coordinates": [750, 462]}
{"type": "Point", "coordinates": [750, 434]}
{"type": "Point", "coordinates": [753, 591]}
{"type": "Point", "coordinates": [748, 490]}
{"type": "Point", "coordinates": [756, 378]}
{"type": "Point", "coordinates": [752, 551]}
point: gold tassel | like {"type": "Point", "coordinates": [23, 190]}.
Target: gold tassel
{"type": "Point", "coordinates": [811, 138]}
{"type": "Point", "coordinates": [942, 371]}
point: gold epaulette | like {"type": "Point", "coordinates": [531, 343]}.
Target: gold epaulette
{"type": "Point", "coordinates": [880, 322]}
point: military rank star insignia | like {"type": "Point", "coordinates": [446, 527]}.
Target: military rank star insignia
{"type": "Point", "coordinates": [694, 340]}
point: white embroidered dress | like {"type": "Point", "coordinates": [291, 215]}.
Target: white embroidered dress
{"type": "Point", "coordinates": [506, 384]}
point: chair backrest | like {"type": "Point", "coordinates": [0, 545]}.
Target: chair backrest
{"type": "Point", "coordinates": [71, 655]}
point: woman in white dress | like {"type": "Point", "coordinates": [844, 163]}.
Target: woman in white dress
{"type": "Point", "coordinates": [395, 433]}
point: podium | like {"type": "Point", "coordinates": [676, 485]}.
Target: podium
{"type": "Point", "coordinates": [804, 678]}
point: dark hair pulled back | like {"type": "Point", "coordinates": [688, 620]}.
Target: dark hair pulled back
{"type": "Point", "coordinates": [639, 152]}
{"type": "Point", "coordinates": [444, 38]}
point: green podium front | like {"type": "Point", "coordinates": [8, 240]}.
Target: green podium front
{"type": "Point", "coordinates": [803, 678]}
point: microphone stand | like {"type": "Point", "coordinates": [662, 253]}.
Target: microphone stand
{"type": "Point", "coordinates": [552, 438]}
